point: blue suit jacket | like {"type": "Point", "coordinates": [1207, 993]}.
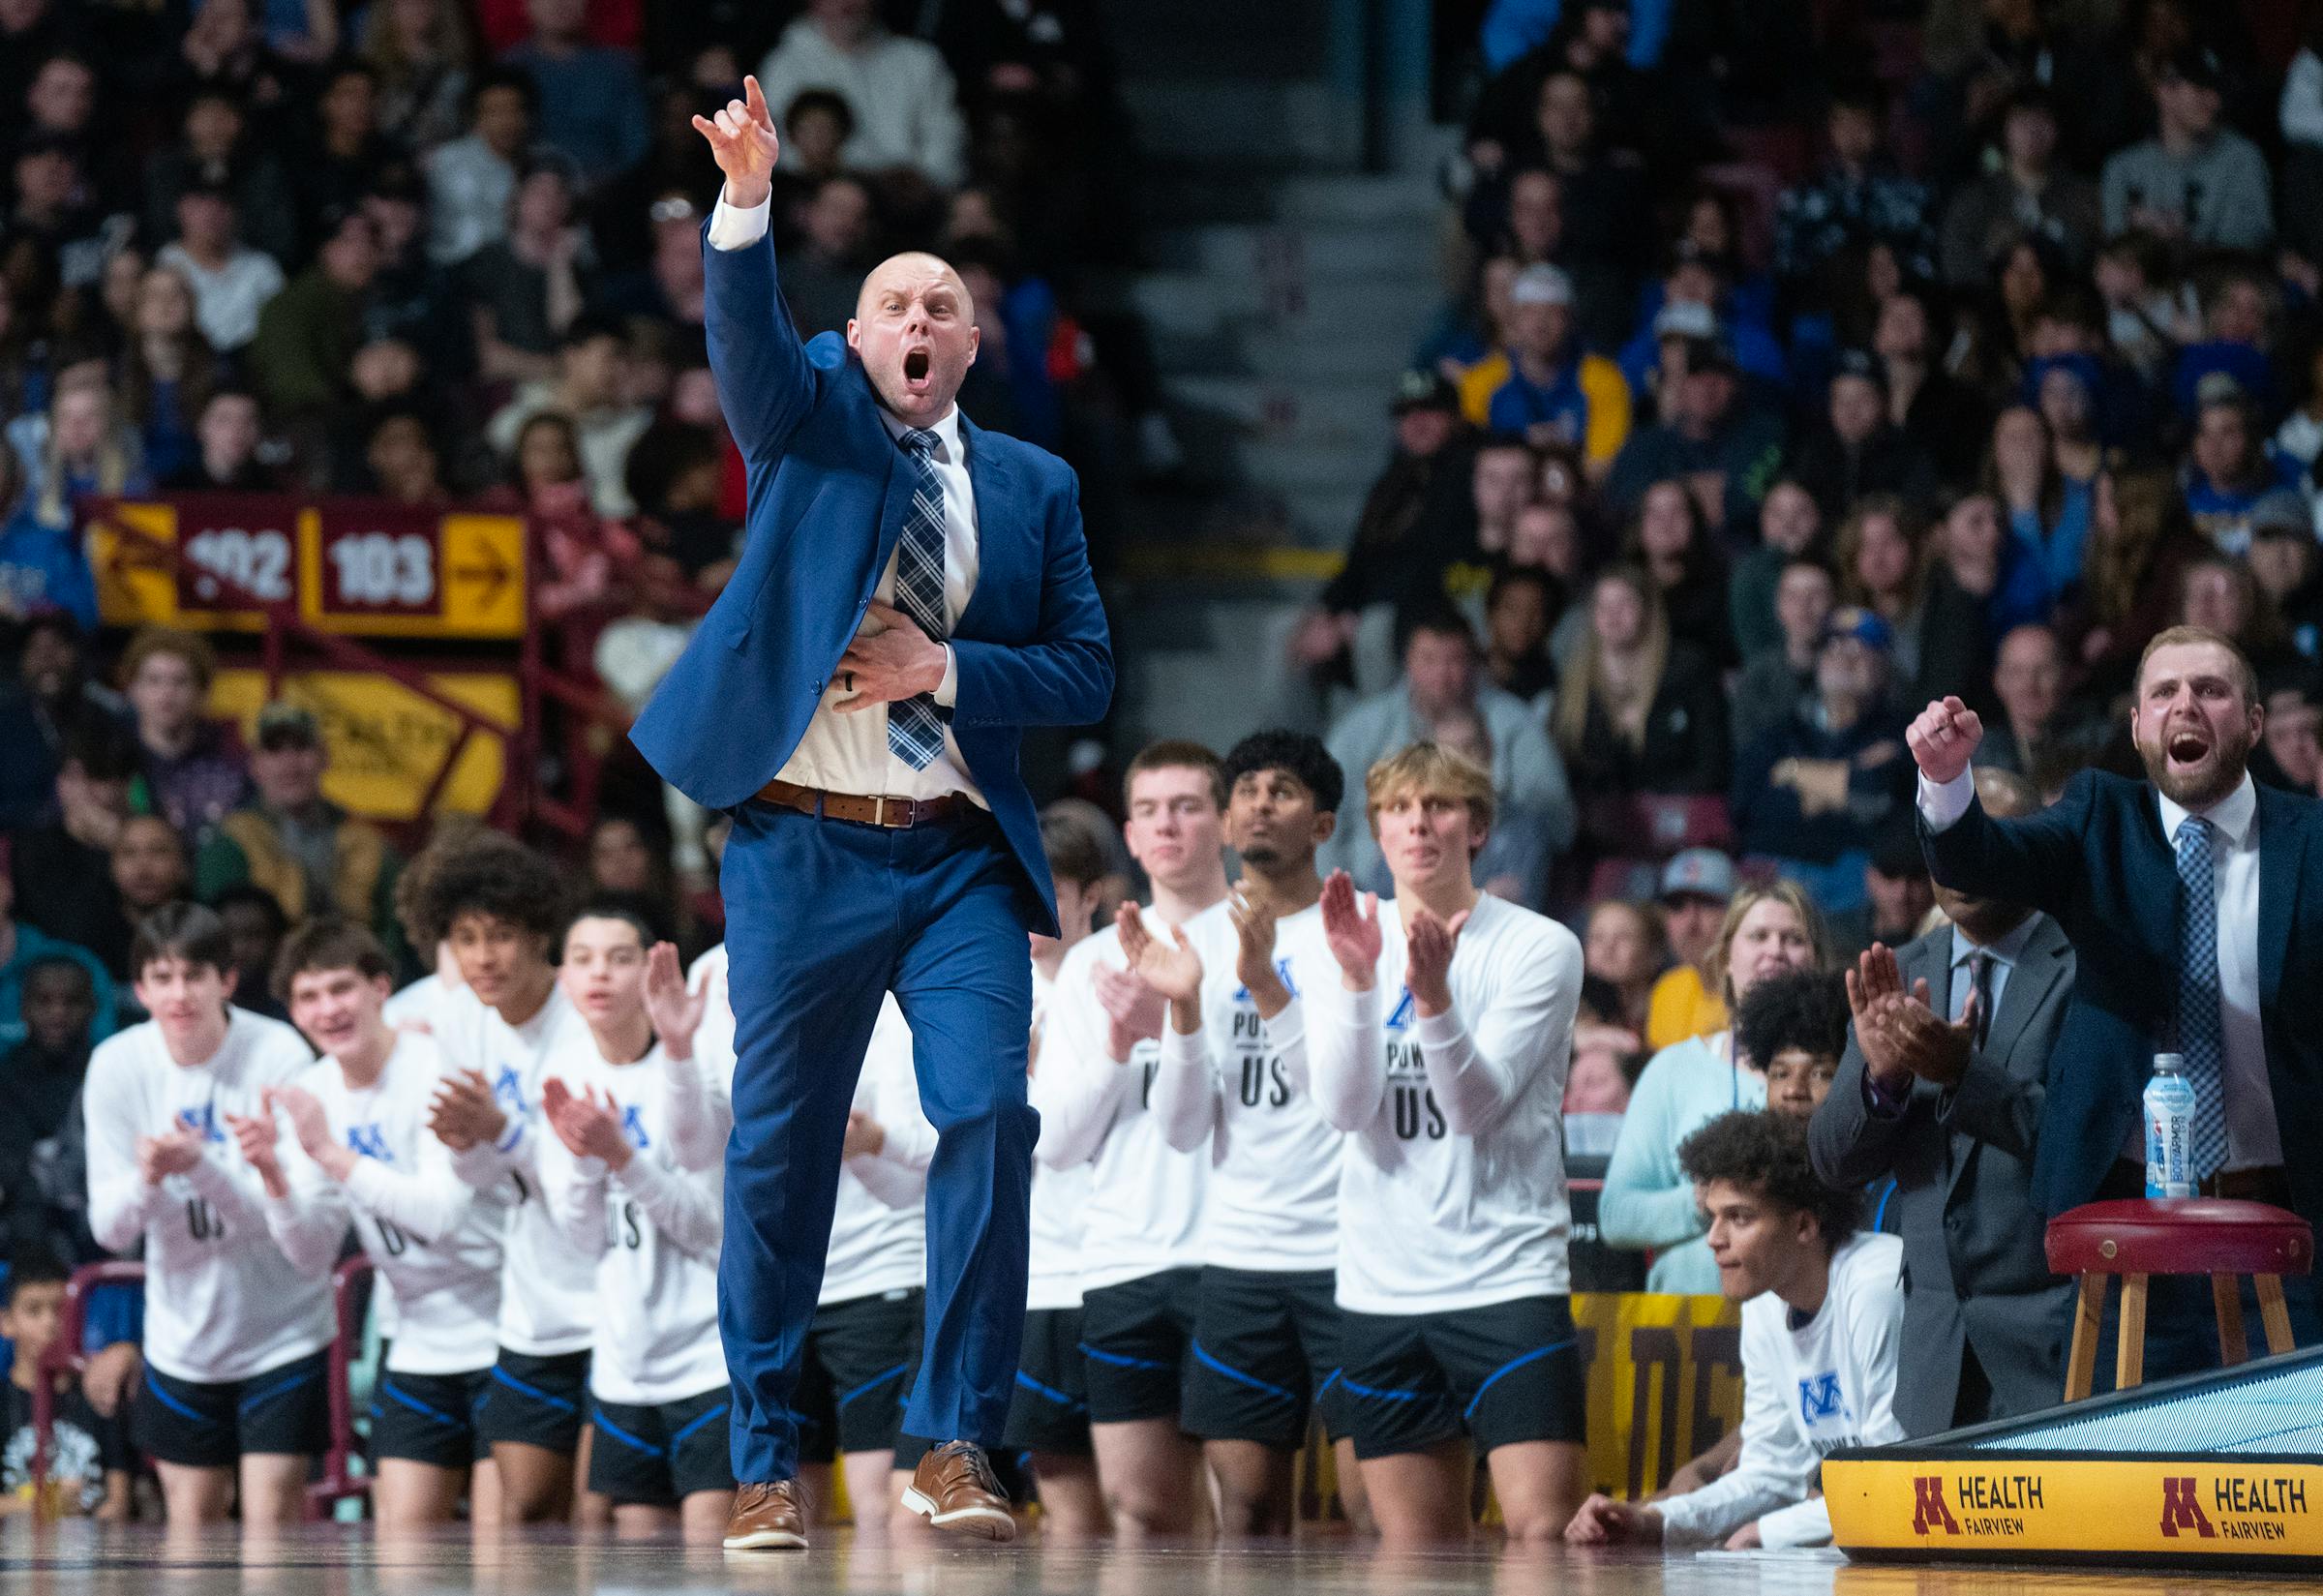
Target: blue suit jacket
{"type": "Point", "coordinates": [829, 488]}
{"type": "Point", "coordinates": [2098, 861]}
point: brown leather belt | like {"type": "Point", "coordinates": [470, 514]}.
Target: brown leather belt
{"type": "Point", "coordinates": [895, 814]}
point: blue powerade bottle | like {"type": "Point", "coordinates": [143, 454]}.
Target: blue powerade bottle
{"type": "Point", "coordinates": [2169, 1128]}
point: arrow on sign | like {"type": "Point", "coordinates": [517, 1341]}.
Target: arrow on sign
{"type": "Point", "coordinates": [495, 573]}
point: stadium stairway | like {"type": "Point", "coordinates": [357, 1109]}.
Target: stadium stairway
{"type": "Point", "coordinates": [1286, 287]}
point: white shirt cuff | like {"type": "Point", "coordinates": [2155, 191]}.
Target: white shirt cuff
{"type": "Point", "coordinates": [948, 691]}
{"type": "Point", "coordinates": [1436, 1031]}
{"type": "Point", "coordinates": [1942, 803]}
{"type": "Point", "coordinates": [1183, 1050]}
{"type": "Point", "coordinates": [732, 227]}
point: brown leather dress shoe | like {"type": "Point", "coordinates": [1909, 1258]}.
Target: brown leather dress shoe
{"type": "Point", "coordinates": [954, 1489]}
{"type": "Point", "coordinates": [769, 1518]}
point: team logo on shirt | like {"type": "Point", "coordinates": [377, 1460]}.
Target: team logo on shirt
{"type": "Point", "coordinates": [1398, 1019]}
{"type": "Point", "coordinates": [369, 1141]}
{"type": "Point", "coordinates": [509, 1090]}
{"type": "Point", "coordinates": [1242, 994]}
{"type": "Point", "coordinates": [1411, 1107]}
{"type": "Point", "coordinates": [633, 1129]}
{"type": "Point", "coordinates": [202, 1120]}
{"type": "Point", "coordinates": [1820, 1399]}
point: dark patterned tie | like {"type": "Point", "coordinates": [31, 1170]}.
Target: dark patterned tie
{"type": "Point", "coordinates": [2202, 1033]}
{"type": "Point", "coordinates": [915, 730]}
{"type": "Point", "coordinates": [1979, 991]}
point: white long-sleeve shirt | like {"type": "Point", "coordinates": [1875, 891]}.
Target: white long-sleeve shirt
{"type": "Point", "coordinates": [1229, 1094]}
{"type": "Point", "coordinates": [651, 1231]}
{"type": "Point", "coordinates": [432, 1239]}
{"type": "Point", "coordinates": [1806, 1391]}
{"type": "Point", "coordinates": [547, 1289]}
{"type": "Point", "coordinates": [905, 103]}
{"type": "Point", "coordinates": [1144, 1207]}
{"type": "Point", "coordinates": [222, 1302]}
{"type": "Point", "coordinates": [1452, 1190]}
{"type": "Point", "coordinates": [1053, 1275]}
{"type": "Point", "coordinates": [879, 1226]}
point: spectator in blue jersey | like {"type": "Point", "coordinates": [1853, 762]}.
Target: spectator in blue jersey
{"type": "Point", "coordinates": [41, 566]}
{"type": "Point", "coordinates": [1555, 393]}
{"type": "Point", "coordinates": [2229, 469]}
{"type": "Point", "coordinates": [1724, 446]}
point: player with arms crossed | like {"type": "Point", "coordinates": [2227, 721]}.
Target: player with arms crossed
{"type": "Point", "coordinates": [359, 1115]}
{"type": "Point", "coordinates": [235, 1332]}
{"type": "Point", "coordinates": [1441, 1049]}
{"type": "Point", "coordinates": [1266, 1344]}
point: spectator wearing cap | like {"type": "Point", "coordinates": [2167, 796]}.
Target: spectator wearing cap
{"type": "Point", "coordinates": [590, 391]}
{"type": "Point", "coordinates": [1555, 392]}
{"type": "Point", "coordinates": [1858, 450]}
{"type": "Point", "coordinates": [2196, 180]}
{"type": "Point", "coordinates": [1695, 890]}
{"type": "Point", "coordinates": [2027, 189]}
{"type": "Point", "coordinates": [472, 179]}
{"type": "Point", "coordinates": [23, 948]}
{"type": "Point", "coordinates": [1777, 676]}
{"type": "Point", "coordinates": [1811, 794]}
{"type": "Point", "coordinates": [2229, 471]}
{"type": "Point", "coordinates": [1712, 436]}
{"type": "Point", "coordinates": [1442, 681]}
{"type": "Point", "coordinates": [309, 332]}
{"type": "Point", "coordinates": [1414, 527]}
{"type": "Point", "coordinates": [901, 94]}
{"type": "Point", "coordinates": [309, 854]}
{"type": "Point", "coordinates": [1470, 344]}
{"type": "Point", "coordinates": [1854, 201]}
{"type": "Point", "coordinates": [2237, 305]}
{"type": "Point", "coordinates": [231, 281]}
{"type": "Point", "coordinates": [589, 100]}
{"type": "Point", "coordinates": [525, 289]}
{"type": "Point", "coordinates": [196, 771]}
{"type": "Point", "coordinates": [1697, 301]}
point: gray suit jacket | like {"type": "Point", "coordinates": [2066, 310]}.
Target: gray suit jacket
{"type": "Point", "coordinates": [1974, 1274]}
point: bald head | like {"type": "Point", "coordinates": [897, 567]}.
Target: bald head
{"type": "Point", "coordinates": [914, 332]}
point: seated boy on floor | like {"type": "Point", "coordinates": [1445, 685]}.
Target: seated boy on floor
{"type": "Point", "coordinates": [1822, 1306]}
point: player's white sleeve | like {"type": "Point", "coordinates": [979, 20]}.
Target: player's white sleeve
{"type": "Point", "coordinates": [120, 1199]}
{"type": "Point", "coordinates": [1184, 1097]}
{"type": "Point", "coordinates": [897, 1173]}
{"type": "Point", "coordinates": [688, 1210]}
{"type": "Point", "coordinates": [1347, 1063]}
{"type": "Point", "coordinates": [310, 1222]}
{"type": "Point", "coordinates": [428, 1204]}
{"type": "Point", "coordinates": [1477, 1075]}
{"type": "Point", "coordinates": [1775, 1462]}
{"type": "Point", "coordinates": [574, 1190]}
{"type": "Point", "coordinates": [229, 1186]}
{"type": "Point", "coordinates": [1079, 1086]}
{"type": "Point", "coordinates": [515, 1151]}
{"type": "Point", "coordinates": [699, 1114]}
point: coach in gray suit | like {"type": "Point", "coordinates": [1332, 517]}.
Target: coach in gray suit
{"type": "Point", "coordinates": [1941, 1088]}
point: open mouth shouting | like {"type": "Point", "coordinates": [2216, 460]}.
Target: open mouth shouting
{"type": "Point", "coordinates": [2187, 748]}
{"type": "Point", "coordinates": [918, 364]}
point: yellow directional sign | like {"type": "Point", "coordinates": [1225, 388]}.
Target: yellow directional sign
{"type": "Point", "coordinates": [385, 742]}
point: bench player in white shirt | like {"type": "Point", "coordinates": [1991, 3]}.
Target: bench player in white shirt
{"type": "Point", "coordinates": [501, 907]}
{"type": "Point", "coordinates": [359, 1116]}
{"type": "Point", "coordinates": [1141, 1238]}
{"type": "Point", "coordinates": [236, 1336]}
{"type": "Point", "coordinates": [1441, 1050]}
{"type": "Point", "coordinates": [659, 1430]}
{"type": "Point", "coordinates": [1267, 1331]}
{"type": "Point", "coordinates": [1823, 1308]}
{"type": "Point", "coordinates": [1048, 1418]}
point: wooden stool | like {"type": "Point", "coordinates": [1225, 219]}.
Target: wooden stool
{"type": "Point", "coordinates": [2140, 1238]}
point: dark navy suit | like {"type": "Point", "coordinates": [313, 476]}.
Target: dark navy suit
{"type": "Point", "coordinates": [824, 917]}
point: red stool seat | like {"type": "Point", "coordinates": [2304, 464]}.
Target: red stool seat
{"type": "Point", "coordinates": [2180, 1236]}
{"type": "Point", "coordinates": [2136, 1239]}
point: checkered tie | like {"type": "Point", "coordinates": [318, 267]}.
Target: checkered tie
{"type": "Point", "coordinates": [2201, 1037]}
{"type": "Point", "coordinates": [915, 730]}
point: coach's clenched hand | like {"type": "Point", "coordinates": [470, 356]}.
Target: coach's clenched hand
{"type": "Point", "coordinates": [881, 667]}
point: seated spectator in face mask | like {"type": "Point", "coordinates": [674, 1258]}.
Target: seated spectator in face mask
{"type": "Point", "coordinates": [1796, 1024]}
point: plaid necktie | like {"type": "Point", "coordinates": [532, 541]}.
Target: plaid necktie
{"type": "Point", "coordinates": [915, 730]}
{"type": "Point", "coordinates": [2201, 1034]}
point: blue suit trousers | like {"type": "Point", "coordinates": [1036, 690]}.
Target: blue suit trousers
{"type": "Point", "coordinates": [823, 919]}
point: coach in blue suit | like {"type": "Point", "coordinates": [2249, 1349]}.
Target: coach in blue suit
{"type": "Point", "coordinates": [2194, 904]}
{"type": "Point", "coordinates": [913, 591]}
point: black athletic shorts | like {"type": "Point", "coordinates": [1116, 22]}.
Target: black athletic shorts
{"type": "Point", "coordinates": [659, 1455]}
{"type": "Point", "coordinates": [1266, 1350]}
{"type": "Point", "coordinates": [1503, 1374]}
{"type": "Point", "coordinates": [1136, 1337]}
{"type": "Point", "coordinates": [537, 1402]}
{"type": "Point", "coordinates": [284, 1410]}
{"type": "Point", "coordinates": [1051, 1410]}
{"type": "Point", "coordinates": [861, 1359]}
{"type": "Point", "coordinates": [435, 1419]}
